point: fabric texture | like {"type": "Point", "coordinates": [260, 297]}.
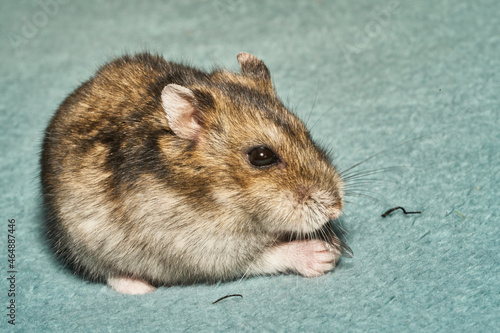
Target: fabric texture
{"type": "Point", "coordinates": [409, 87]}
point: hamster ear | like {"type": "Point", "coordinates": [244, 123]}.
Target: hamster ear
{"type": "Point", "coordinates": [253, 67]}
{"type": "Point", "coordinates": [180, 107]}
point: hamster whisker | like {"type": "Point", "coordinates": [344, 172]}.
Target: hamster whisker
{"type": "Point", "coordinates": [362, 195]}
{"type": "Point", "coordinates": [322, 115]}
{"type": "Point", "coordinates": [381, 152]}
{"type": "Point", "coordinates": [339, 225]}
{"type": "Point", "coordinates": [359, 189]}
{"type": "Point", "coordinates": [365, 173]}
{"type": "Point", "coordinates": [362, 179]}
{"type": "Point", "coordinates": [312, 108]}
{"type": "Point", "coordinates": [244, 275]}
{"type": "Point", "coordinates": [335, 232]}
{"type": "Point", "coordinates": [326, 234]}
{"type": "Point", "coordinates": [362, 183]}
{"type": "Point", "coordinates": [289, 236]}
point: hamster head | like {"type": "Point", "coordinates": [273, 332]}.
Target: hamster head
{"type": "Point", "coordinates": [265, 166]}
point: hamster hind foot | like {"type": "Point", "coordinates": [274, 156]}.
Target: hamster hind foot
{"type": "Point", "coordinates": [126, 285]}
{"type": "Point", "coordinates": [309, 258]}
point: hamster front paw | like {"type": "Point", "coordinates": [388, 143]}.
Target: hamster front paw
{"type": "Point", "coordinates": [126, 285]}
{"type": "Point", "coordinates": [307, 257]}
{"type": "Point", "coordinates": [312, 257]}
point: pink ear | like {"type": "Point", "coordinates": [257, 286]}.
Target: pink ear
{"type": "Point", "coordinates": [178, 103]}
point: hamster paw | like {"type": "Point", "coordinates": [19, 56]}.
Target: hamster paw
{"type": "Point", "coordinates": [313, 257]}
{"type": "Point", "coordinates": [126, 285]}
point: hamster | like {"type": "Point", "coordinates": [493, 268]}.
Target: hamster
{"type": "Point", "coordinates": [155, 173]}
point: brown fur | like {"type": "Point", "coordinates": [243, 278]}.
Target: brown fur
{"type": "Point", "coordinates": [127, 195]}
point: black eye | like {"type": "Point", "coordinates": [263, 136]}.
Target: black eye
{"type": "Point", "coordinates": [262, 156]}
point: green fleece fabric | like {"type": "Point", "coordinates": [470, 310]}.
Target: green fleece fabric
{"type": "Point", "coordinates": [367, 77]}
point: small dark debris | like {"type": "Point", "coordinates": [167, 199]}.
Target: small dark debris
{"type": "Point", "coordinates": [396, 208]}
{"type": "Point", "coordinates": [227, 296]}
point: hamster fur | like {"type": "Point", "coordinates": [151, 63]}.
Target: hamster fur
{"type": "Point", "coordinates": [155, 173]}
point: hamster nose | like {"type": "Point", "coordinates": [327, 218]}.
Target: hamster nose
{"type": "Point", "coordinates": [335, 211]}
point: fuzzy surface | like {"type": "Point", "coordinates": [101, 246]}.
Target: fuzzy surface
{"type": "Point", "coordinates": [374, 74]}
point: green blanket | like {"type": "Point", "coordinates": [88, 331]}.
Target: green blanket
{"type": "Point", "coordinates": [409, 86]}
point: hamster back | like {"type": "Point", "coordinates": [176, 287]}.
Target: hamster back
{"type": "Point", "coordinates": [155, 173]}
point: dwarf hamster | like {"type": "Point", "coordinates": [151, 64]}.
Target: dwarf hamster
{"type": "Point", "coordinates": [155, 173]}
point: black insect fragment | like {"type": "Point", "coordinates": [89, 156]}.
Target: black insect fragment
{"type": "Point", "coordinates": [233, 295]}
{"type": "Point", "coordinates": [396, 208]}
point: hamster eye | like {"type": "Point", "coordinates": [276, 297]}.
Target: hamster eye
{"type": "Point", "coordinates": [262, 156]}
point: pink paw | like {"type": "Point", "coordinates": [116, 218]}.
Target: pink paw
{"type": "Point", "coordinates": [126, 285]}
{"type": "Point", "coordinates": [313, 257]}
